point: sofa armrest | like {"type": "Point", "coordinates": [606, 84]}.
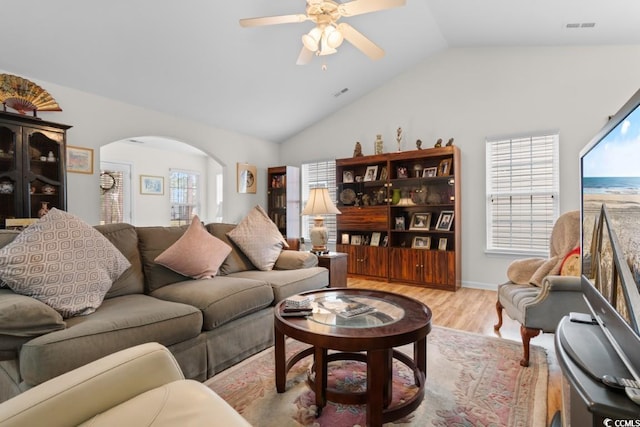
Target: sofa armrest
{"type": "Point", "coordinates": [78, 395]}
{"type": "Point", "coordinates": [295, 260]}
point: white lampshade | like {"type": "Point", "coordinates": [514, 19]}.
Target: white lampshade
{"type": "Point", "coordinates": [311, 41]}
{"type": "Point", "coordinates": [319, 204]}
{"type": "Point", "coordinates": [334, 36]}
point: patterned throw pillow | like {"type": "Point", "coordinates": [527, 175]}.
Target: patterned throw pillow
{"type": "Point", "coordinates": [196, 253]}
{"type": "Point", "coordinates": [259, 239]}
{"type": "Point", "coordinates": [63, 262]}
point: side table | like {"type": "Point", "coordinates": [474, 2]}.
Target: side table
{"type": "Point", "coordinates": [336, 263]}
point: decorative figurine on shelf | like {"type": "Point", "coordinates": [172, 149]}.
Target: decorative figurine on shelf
{"type": "Point", "coordinates": [357, 152]}
{"type": "Point", "coordinates": [438, 143]}
{"type": "Point", "coordinates": [44, 209]}
{"type": "Point", "coordinates": [419, 144]}
{"type": "Point", "coordinates": [450, 142]}
{"type": "Point", "coordinates": [51, 157]}
{"type": "Point", "coordinates": [399, 138]}
{"type": "Point", "coordinates": [378, 145]}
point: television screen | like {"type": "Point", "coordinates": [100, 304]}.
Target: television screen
{"type": "Point", "coordinates": [610, 209]}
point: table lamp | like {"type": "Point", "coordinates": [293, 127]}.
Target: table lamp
{"type": "Point", "coordinates": [319, 204]}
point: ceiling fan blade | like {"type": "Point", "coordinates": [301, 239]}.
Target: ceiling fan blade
{"type": "Point", "coordinates": [273, 20]}
{"type": "Point", "coordinates": [357, 39]}
{"type": "Point", "coordinates": [305, 56]}
{"type": "Point", "coordinates": [358, 7]}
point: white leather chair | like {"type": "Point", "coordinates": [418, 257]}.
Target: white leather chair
{"type": "Point", "coordinates": [138, 386]}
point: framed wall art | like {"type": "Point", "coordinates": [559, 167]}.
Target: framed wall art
{"type": "Point", "coordinates": [79, 160]}
{"type": "Point", "coordinates": [151, 185]}
{"type": "Point", "coordinates": [247, 178]}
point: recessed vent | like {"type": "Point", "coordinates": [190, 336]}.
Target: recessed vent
{"type": "Point", "coordinates": [337, 94]}
{"type": "Point", "coordinates": [580, 25]}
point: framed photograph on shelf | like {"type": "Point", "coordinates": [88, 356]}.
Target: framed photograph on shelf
{"type": "Point", "coordinates": [371, 173]}
{"type": "Point", "coordinates": [247, 178]}
{"type": "Point", "coordinates": [347, 176]}
{"type": "Point", "coordinates": [420, 221]}
{"type": "Point", "coordinates": [402, 172]}
{"type": "Point", "coordinates": [399, 223]}
{"type": "Point", "coordinates": [421, 242]}
{"type": "Point", "coordinates": [445, 220]}
{"type": "Point", "coordinates": [442, 244]}
{"type": "Point", "coordinates": [375, 238]}
{"type": "Point", "coordinates": [151, 185]}
{"type": "Point", "coordinates": [345, 238]}
{"type": "Point", "coordinates": [429, 172]}
{"type": "Point", "coordinates": [444, 168]}
{"type": "Point", "coordinates": [356, 239]}
{"type": "Point", "coordinates": [384, 174]}
{"type": "Point", "coordinates": [79, 160]}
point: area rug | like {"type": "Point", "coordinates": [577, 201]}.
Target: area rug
{"type": "Point", "coordinates": [472, 380]}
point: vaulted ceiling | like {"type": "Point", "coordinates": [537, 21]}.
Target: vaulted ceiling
{"type": "Point", "coordinates": [193, 60]}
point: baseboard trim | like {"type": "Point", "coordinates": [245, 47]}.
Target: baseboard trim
{"type": "Point", "coordinates": [480, 285]}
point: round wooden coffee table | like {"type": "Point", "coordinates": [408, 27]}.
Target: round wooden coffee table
{"type": "Point", "coordinates": [392, 320]}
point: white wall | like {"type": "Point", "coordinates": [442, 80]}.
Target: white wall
{"type": "Point", "coordinates": [470, 94]}
{"type": "Point", "coordinates": [147, 160]}
{"type": "Point", "coordinates": [98, 121]}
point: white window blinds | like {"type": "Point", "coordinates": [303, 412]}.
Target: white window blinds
{"type": "Point", "coordinates": [522, 193]}
{"type": "Point", "coordinates": [318, 174]}
{"type": "Point", "coordinates": [184, 188]}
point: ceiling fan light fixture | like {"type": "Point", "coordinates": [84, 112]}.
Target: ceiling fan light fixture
{"type": "Point", "coordinates": [312, 40]}
{"type": "Point", "coordinates": [334, 36]}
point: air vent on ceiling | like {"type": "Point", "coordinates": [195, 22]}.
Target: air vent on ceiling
{"type": "Point", "coordinates": [580, 25]}
{"type": "Point", "coordinates": [337, 94]}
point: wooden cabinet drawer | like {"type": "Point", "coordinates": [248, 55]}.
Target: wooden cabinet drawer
{"type": "Point", "coordinates": [369, 218]}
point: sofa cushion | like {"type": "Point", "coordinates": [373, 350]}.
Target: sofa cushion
{"type": "Point", "coordinates": [125, 238]}
{"type": "Point", "coordinates": [152, 241]}
{"type": "Point", "coordinates": [288, 282]}
{"type": "Point", "coordinates": [259, 238]}
{"type": "Point", "coordinates": [119, 323]}
{"type": "Point", "coordinates": [196, 253]}
{"type": "Point", "coordinates": [63, 262]}
{"type": "Point", "coordinates": [236, 260]}
{"type": "Point", "coordinates": [23, 316]}
{"type": "Point", "coordinates": [221, 299]}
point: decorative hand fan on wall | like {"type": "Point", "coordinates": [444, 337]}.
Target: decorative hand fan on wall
{"type": "Point", "coordinates": [327, 35]}
{"type": "Point", "coordinates": [24, 95]}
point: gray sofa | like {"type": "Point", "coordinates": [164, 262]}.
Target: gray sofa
{"type": "Point", "coordinates": [208, 324]}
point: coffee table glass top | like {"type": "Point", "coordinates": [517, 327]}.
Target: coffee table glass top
{"type": "Point", "coordinates": [350, 311]}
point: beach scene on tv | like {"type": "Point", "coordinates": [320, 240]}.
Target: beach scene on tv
{"type": "Point", "coordinates": [611, 176]}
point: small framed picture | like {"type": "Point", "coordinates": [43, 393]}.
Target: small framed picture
{"type": "Point", "coordinates": [345, 238]}
{"type": "Point", "coordinates": [375, 238]}
{"type": "Point", "coordinates": [445, 220]}
{"type": "Point", "coordinates": [402, 172]}
{"type": "Point", "coordinates": [442, 244]}
{"type": "Point", "coordinates": [153, 185]}
{"type": "Point", "coordinates": [356, 239]}
{"type": "Point", "coordinates": [421, 242]}
{"type": "Point", "coordinates": [384, 174]}
{"type": "Point", "coordinates": [347, 176]}
{"type": "Point", "coordinates": [385, 241]}
{"type": "Point", "coordinates": [79, 160]}
{"type": "Point", "coordinates": [399, 223]}
{"type": "Point", "coordinates": [420, 221]}
{"type": "Point", "coordinates": [444, 168]}
{"type": "Point", "coordinates": [429, 172]}
{"type": "Point", "coordinates": [247, 178]}
{"type": "Point", "coordinates": [372, 172]}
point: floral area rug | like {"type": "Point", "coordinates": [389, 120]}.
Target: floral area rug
{"type": "Point", "coordinates": [472, 380]}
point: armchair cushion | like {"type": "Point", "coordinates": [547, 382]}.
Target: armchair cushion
{"type": "Point", "coordinates": [293, 260]}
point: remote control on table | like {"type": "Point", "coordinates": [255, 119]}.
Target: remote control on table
{"type": "Point", "coordinates": [633, 393]}
{"type": "Point", "coordinates": [621, 383]}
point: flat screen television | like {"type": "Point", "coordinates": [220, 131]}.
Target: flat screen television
{"type": "Point", "coordinates": [610, 218]}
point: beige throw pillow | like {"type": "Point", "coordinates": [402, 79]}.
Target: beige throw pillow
{"type": "Point", "coordinates": [63, 262]}
{"type": "Point", "coordinates": [196, 254]}
{"type": "Point", "coordinates": [259, 239]}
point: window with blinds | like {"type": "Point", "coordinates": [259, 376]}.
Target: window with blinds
{"type": "Point", "coordinates": [522, 193]}
{"type": "Point", "coordinates": [184, 190]}
{"type": "Point", "coordinates": [319, 174]}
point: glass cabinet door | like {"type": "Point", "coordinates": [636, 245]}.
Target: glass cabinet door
{"type": "Point", "coordinates": [10, 199]}
{"type": "Point", "coordinates": [45, 176]}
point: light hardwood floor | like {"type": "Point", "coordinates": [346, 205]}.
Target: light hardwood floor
{"type": "Point", "coordinates": [474, 310]}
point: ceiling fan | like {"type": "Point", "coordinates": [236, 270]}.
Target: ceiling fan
{"type": "Point", "coordinates": [327, 35]}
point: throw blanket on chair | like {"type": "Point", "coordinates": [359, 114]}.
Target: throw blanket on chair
{"type": "Point", "coordinates": [565, 237]}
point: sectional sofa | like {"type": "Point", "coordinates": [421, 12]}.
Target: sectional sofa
{"type": "Point", "coordinates": [208, 324]}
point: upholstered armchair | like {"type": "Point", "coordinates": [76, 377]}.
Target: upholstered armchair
{"type": "Point", "coordinates": [541, 291]}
